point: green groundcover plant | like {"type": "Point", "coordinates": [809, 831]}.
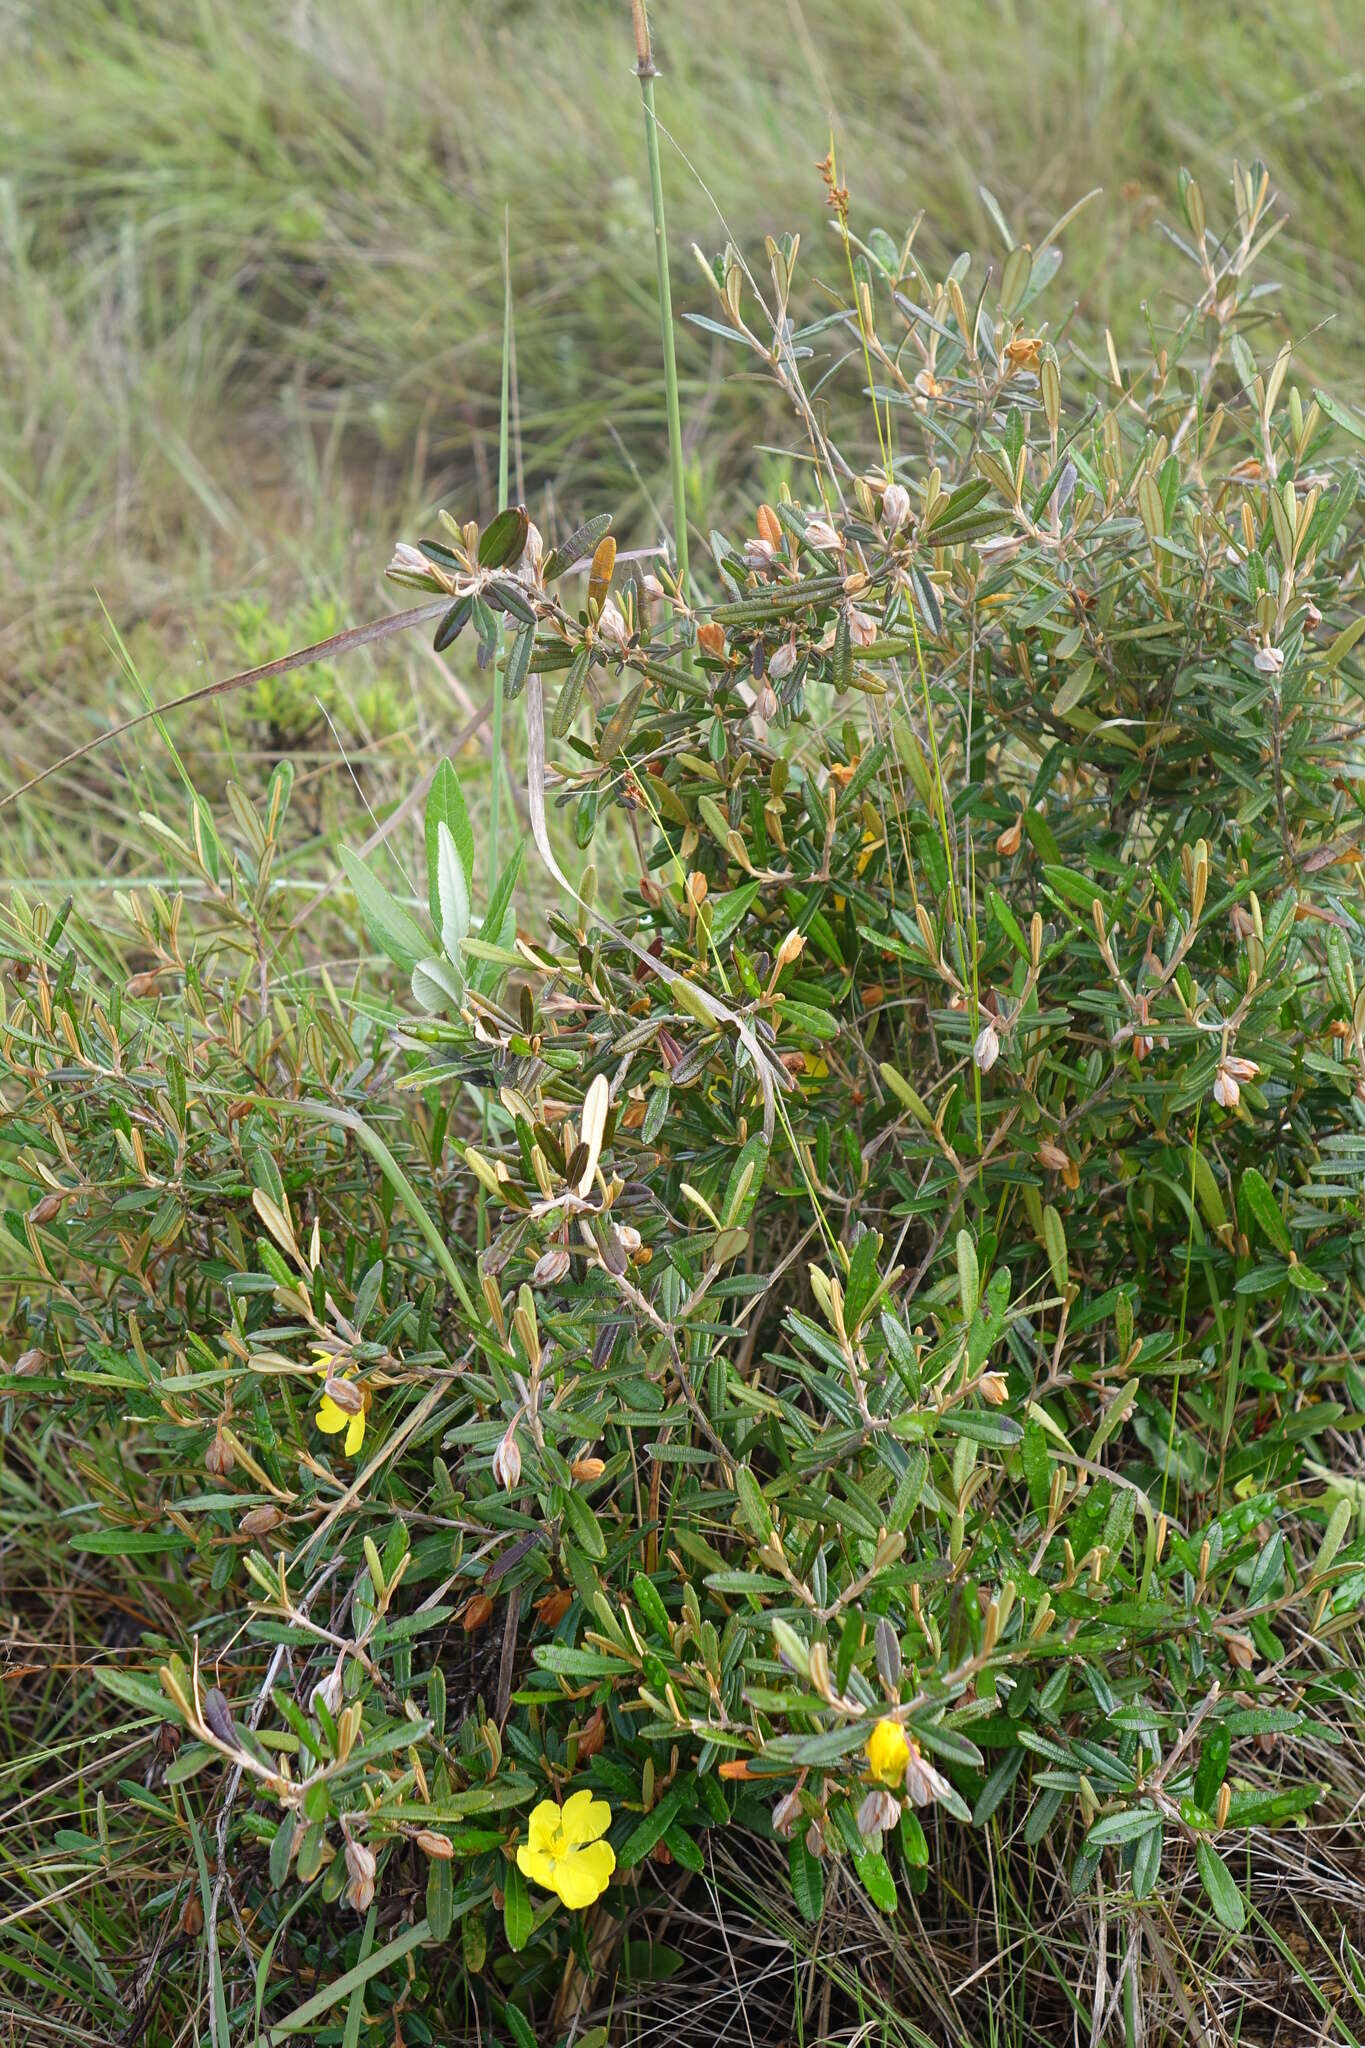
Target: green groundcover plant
{"type": "Point", "coordinates": [821, 1301]}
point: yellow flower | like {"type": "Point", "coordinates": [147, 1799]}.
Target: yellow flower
{"type": "Point", "coordinates": [563, 1850]}
{"type": "Point", "coordinates": [888, 1752]}
{"type": "Point", "coordinates": [331, 1418]}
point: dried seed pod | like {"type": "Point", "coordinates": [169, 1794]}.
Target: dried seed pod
{"type": "Point", "coordinates": [260, 1521]}
{"type": "Point", "coordinates": [218, 1458]}
{"type": "Point", "coordinates": [439, 1847]}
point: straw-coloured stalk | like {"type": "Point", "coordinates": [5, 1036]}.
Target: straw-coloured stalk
{"type": "Point", "coordinates": [645, 72]}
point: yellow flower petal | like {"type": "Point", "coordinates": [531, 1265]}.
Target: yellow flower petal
{"type": "Point", "coordinates": [543, 1829]}
{"type": "Point", "coordinates": [888, 1751]}
{"type": "Point", "coordinates": [331, 1419]}
{"type": "Point", "coordinates": [585, 1818]}
{"type": "Point", "coordinates": [355, 1434]}
{"type": "Point", "coordinates": [535, 1864]}
{"type": "Point", "coordinates": [583, 1875]}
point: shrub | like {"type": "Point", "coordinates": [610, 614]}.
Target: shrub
{"type": "Point", "coordinates": [848, 1330]}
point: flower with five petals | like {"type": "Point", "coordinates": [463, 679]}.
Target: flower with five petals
{"type": "Point", "coordinates": [564, 1850]}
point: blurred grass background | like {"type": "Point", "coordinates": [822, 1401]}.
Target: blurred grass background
{"type": "Point", "coordinates": [250, 259]}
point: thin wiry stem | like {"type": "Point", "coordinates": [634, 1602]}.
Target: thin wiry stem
{"type": "Point", "coordinates": [645, 72]}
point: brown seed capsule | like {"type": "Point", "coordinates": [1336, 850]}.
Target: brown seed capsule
{"type": "Point", "coordinates": [769, 527]}
{"type": "Point", "coordinates": [1010, 839]}
{"type": "Point", "coordinates": [592, 1734]}
{"type": "Point", "coordinates": [260, 1521]}
{"type": "Point", "coordinates": [345, 1393]}
{"type": "Point", "coordinates": [47, 1208]}
{"type": "Point", "coordinates": [29, 1361]}
{"type": "Point", "coordinates": [584, 1470]}
{"type": "Point", "coordinates": [711, 640]}
{"type": "Point", "coordinates": [440, 1848]}
{"type": "Point", "coordinates": [553, 1606]}
{"type": "Point", "coordinates": [476, 1612]}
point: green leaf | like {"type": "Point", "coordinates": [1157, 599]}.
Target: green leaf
{"type": "Point", "coordinates": [968, 1274]}
{"type": "Point", "coordinates": [136, 1689]}
{"type": "Point", "coordinates": [752, 1504]}
{"type": "Point", "coordinates": [578, 547]}
{"type": "Point", "coordinates": [877, 1881]}
{"type": "Point", "coordinates": [1115, 1828]}
{"type": "Point", "coordinates": [518, 664]}
{"type": "Point", "coordinates": [130, 1542]}
{"type": "Point", "coordinates": [586, 1528]}
{"type": "Point", "coordinates": [1259, 1203]}
{"type": "Point", "coordinates": [393, 929]}
{"type": "Point", "coordinates": [1228, 1904]}
{"type": "Point", "coordinates": [281, 1851]}
{"type": "Point", "coordinates": [808, 1880]}
{"type": "Point", "coordinates": [441, 1897]}
{"type": "Point", "coordinates": [502, 541]}
{"type": "Point", "coordinates": [1147, 1860]}
{"type": "Point", "coordinates": [518, 1914]}
{"type": "Point", "coordinates": [1213, 1765]}
{"type": "Point", "coordinates": [1265, 1575]}
{"type": "Point", "coordinates": [651, 1829]}
{"type": "Point", "coordinates": [446, 806]}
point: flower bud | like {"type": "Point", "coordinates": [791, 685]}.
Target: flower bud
{"type": "Point", "coordinates": [408, 561]}
{"type": "Point", "coordinates": [895, 506]}
{"type": "Point", "coordinates": [923, 1784]}
{"type": "Point", "coordinates": [528, 567]}
{"type": "Point", "coordinates": [360, 1864]}
{"type": "Point", "coordinates": [759, 553]}
{"type": "Point", "coordinates": [1227, 1091]}
{"type": "Point", "coordinates": [611, 624]}
{"type": "Point", "coordinates": [550, 1267]}
{"type": "Point", "coordinates": [507, 1460]}
{"type": "Point", "coordinates": [878, 1813]}
{"type": "Point", "coordinates": [327, 1692]}
{"type": "Point", "coordinates": [786, 1814]}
